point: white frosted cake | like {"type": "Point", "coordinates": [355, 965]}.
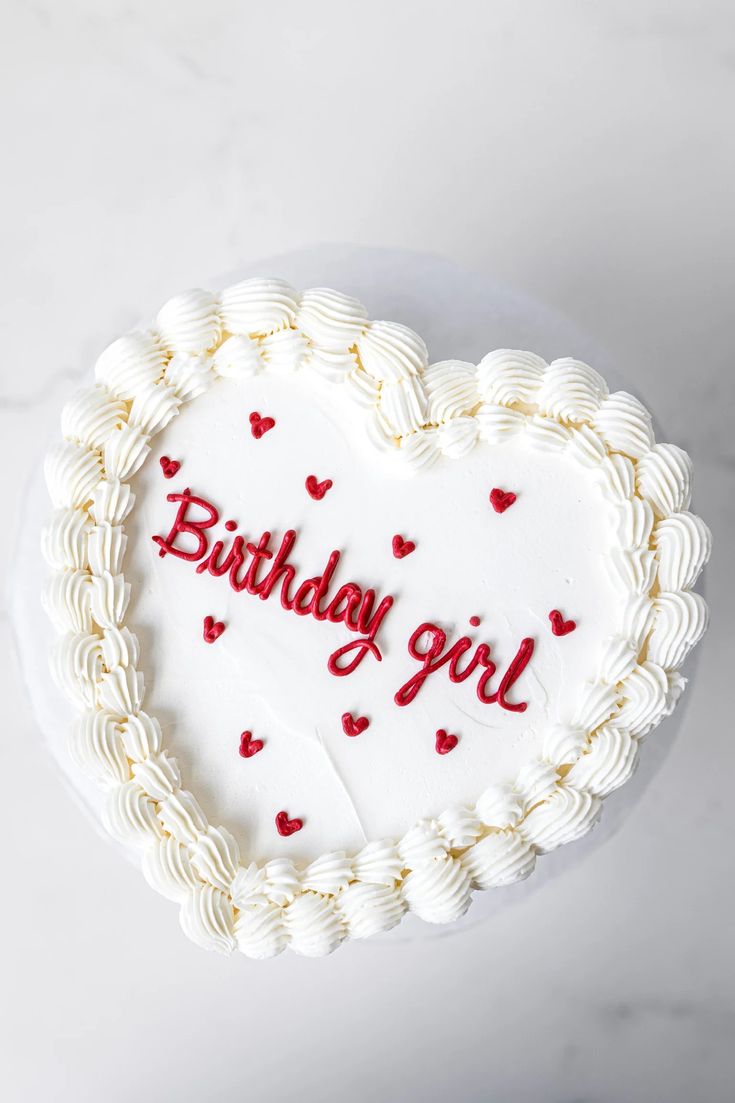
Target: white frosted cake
{"type": "Point", "coordinates": [351, 633]}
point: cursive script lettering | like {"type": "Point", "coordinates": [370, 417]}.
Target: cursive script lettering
{"type": "Point", "coordinates": [244, 563]}
{"type": "Point", "coordinates": [433, 657]}
{"type": "Point", "coordinates": [259, 568]}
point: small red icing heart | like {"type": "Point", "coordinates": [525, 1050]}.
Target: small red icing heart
{"type": "Point", "coordinates": [169, 467]}
{"type": "Point", "coordinates": [249, 746]}
{"type": "Point", "coordinates": [501, 500]}
{"type": "Point", "coordinates": [559, 626]}
{"type": "Point", "coordinates": [259, 426]}
{"type": "Point", "coordinates": [402, 547]}
{"type": "Point", "coordinates": [445, 743]}
{"type": "Point", "coordinates": [286, 826]}
{"type": "Point", "coordinates": [213, 629]}
{"type": "Point", "coordinates": [316, 489]}
{"type": "Point", "coordinates": [354, 726]}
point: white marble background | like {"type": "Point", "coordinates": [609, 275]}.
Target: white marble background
{"type": "Point", "coordinates": [584, 153]}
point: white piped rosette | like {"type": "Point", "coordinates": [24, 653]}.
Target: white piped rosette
{"type": "Point", "coordinates": [419, 411]}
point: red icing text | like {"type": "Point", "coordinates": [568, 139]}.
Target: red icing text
{"type": "Point", "coordinates": [245, 564]}
{"type": "Point", "coordinates": [432, 656]}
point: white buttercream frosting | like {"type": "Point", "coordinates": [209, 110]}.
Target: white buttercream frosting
{"type": "Point", "coordinates": [390, 352]}
{"type": "Point", "coordinates": [679, 622]}
{"type": "Point", "coordinates": [636, 520]}
{"type": "Point", "coordinates": [111, 501]}
{"type": "Point", "coordinates": [460, 827]}
{"type": "Point", "coordinates": [438, 891]}
{"type": "Point", "coordinates": [67, 598]}
{"type": "Point", "coordinates": [282, 882]}
{"type": "Point", "coordinates": [566, 815]}
{"type": "Point", "coordinates": [609, 762]}
{"type": "Point", "coordinates": [451, 389]}
{"type": "Point", "coordinates": [645, 698]}
{"type": "Point", "coordinates": [239, 357]}
{"type": "Point", "coordinates": [76, 666]}
{"type": "Point", "coordinates": [190, 322]}
{"type": "Point", "coordinates": [130, 814]}
{"type": "Point", "coordinates": [64, 541]}
{"type": "Point", "coordinates": [330, 320]}
{"type": "Point", "coordinates": [287, 350]}
{"type": "Point", "coordinates": [495, 424]}
{"type": "Point", "coordinates": [402, 404]}
{"type": "Point", "coordinates": [500, 858]}
{"type": "Point", "coordinates": [571, 391]}
{"type": "Point", "coordinates": [624, 424]}
{"type": "Point", "coordinates": [547, 435]}
{"type": "Point", "coordinates": [260, 931]}
{"type": "Point", "coordinates": [159, 775]}
{"type": "Point", "coordinates": [125, 451]}
{"type": "Point", "coordinates": [328, 875]}
{"type": "Point", "coordinates": [215, 856]}
{"type": "Point", "coordinates": [500, 806]}
{"type": "Point", "coordinates": [167, 868]}
{"type": "Point", "coordinates": [509, 377]}
{"type": "Point", "coordinates": [480, 827]}
{"type": "Point", "coordinates": [142, 736]}
{"type": "Point", "coordinates": [188, 375]}
{"type": "Point", "coordinates": [368, 909]}
{"type": "Point", "coordinates": [683, 544]}
{"type": "Point", "coordinates": [182, 817]}
{"type": "Point", "coordinates": [257, 307]}
{"type": "Point", "coordinates": [378, 863]}
{"type": "Point", "coordinates": [664, 478]}
{"type": "Point", "coordinates": [457, 438]}
{"type": "Point", "coordinates": [617, 476]}
{"type": "Point", "coordinates": [422, 845]}
{"type": "Point", "coordinates": [131, 362]}
{"type": "Point", "coordinates": [72, 473]}
{"type": "Point", "coordinates": [313, 926]}
{"type": "Point", "coordinates": [589, 450]}
{"type": "Point", "coordinates": [91, 416]}
{"type": "Point", "coordinates": [207, 918]}
{"type": "Point", "coordinates": [97, 746]}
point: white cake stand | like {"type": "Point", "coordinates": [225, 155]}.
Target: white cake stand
{"type": "Point", "coordinates": [460, 315]}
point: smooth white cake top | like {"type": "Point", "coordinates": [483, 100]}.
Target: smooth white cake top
{"type": "Point", "coordinates": [268, 672]}
{"type": "Point", "coordinates": [517, 509]}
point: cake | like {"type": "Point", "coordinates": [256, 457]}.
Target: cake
{"type": "Point", "coordinates": [350, 633]}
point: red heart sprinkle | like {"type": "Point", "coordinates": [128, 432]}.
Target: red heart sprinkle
{"type": "Point", "coordinates": [445, 743]}
{"type": "Point", "coordinates": [402, 547]}
{"type": "Point", "coordinates": [259, 426]}
{"type": "Point", "coordinates": [354, 726]}
{"type": "Point", "coordinates": [249, 746]}
{"type": "Point", "coordinates": [169, 467]}
{"type": "Point", "coordinates": [501, 500]}
{"type": "Point", "coordinates": [316, 489]}
{"type": "Point", "coordinates": [559, 626]}
{"type": "Point", "coordinates": [213, 629]}
{"type": "Point", "coordinates": [286, 826]}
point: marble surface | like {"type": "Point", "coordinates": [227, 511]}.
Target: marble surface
{"type": "Point", "coordinates": [582, 153]}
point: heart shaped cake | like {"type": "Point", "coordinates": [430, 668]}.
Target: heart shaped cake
{"type": "Point", "coordinates": [352, 633]}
